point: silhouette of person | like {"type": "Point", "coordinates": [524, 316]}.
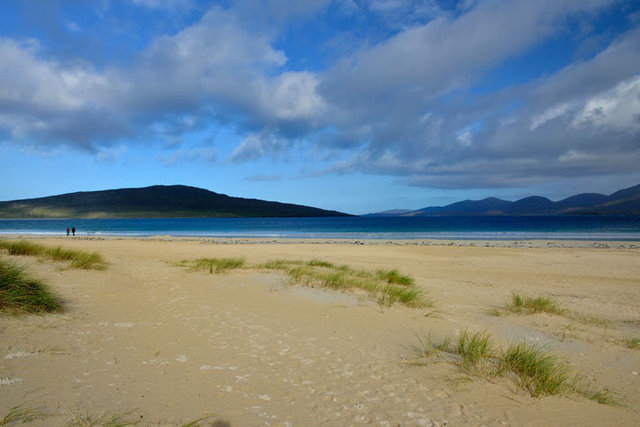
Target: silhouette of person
{"type": "Point", "coordinates": [67, 231]}
{"type": "Point", "coordinates": [73, 230]}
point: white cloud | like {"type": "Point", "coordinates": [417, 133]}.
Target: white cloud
{"type": "Point", "coordinates": [215, 62]}
{"type": "Point", "coordinates": [291, 96]}
{"type": "Point", "coordinates": [549, 114]}
{"type": "Point", "coordinates": [465, 137]}
{"type": "Point", "coordinates": [400, 106]}
{"type": "Point", "coordinates": [617, 108]}
{"type": "Point", "coordinates": [576, 156]}
{"type": "Point", "coordinates": [257, 146]}
{"type": "Point", "coordinates": [30, 83]}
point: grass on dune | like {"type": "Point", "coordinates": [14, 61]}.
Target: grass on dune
{"type": "Point", "coordinates": [22, 414]}
{"type": "Point", "coordinates": [603, 396]}
{"type": "Point", "coordinates": [394, 277]}
{"type": "Point", "coordinates": [388, 287]}
{"type": "Point", "coordinates": [75, 258]}
{"type": "Point", "coordinates": [525, 304]}
{"type": "Point", "coordinates": [428, 347]}
{"type": "Point", "coordinates": [474, 347]}
{"type": "Point", "coordinates": [21, 294]}
{"type": "Point", "coordinates": [531, 305]}
{"type": "Point", "coordinates": [538, 371]}
{"type": "Point", "coordinates": [21, 247]}
{"type": "Point", "coordinates": [213, 265]}
{"type": "Point", "coordinates": [111, 420]}
{"type": "Point", "coordinates": [632, 342]}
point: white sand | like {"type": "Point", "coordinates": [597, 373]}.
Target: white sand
{"type": "Point", "coordinates": [157, 344]}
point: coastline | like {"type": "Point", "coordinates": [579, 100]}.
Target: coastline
{"type": "Point", "coordinates": [516, 243]}
{"type": "Point", "coordinates": [156, 343]}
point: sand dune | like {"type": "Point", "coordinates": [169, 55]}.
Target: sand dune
{"type": "Point", "coordinates": [154, 343]}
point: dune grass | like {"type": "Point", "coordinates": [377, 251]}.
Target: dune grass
{"type": "Point", "coordinates": [213, 265]}
{"type": "Point", "coordinates": [530, 305]}
{"type": "Point", "coordinates": [474, 347]}
{"type": "Point", "coordinates": [21, 294]}
{"type": "Point", "coordinates": [207, 421]}
{"type": "Point", "coordinates": [632, 342]}
{"type": "Point", "coordinates": [394, 277]}
{"type": "Point", "coordinates": [21, 414]}
{"type": "Point", "coordinates": [604, 396]}
{"type": "Point", "coordinates": [428, 347]}
{"type": "Point", "coordinates": [524, 304]}
{"type": "Point", "coordinates": [75, 258]}
{"type": "Point", "coordinates": [21, 247]}
{"type": "Point", "coordinates": [106, 420]}
{"type": "Point", "coordinates": [387, 287]}
{"type": "Point", "coordinates": [540, 372]}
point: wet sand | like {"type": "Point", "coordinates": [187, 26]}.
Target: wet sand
{"type": "Point", "coordinates": [154, 343]}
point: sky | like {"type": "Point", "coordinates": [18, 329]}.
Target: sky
{"type": "Point", "coordinates": [353, 105]}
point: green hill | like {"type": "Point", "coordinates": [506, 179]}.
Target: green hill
{"type": "Point", "coordinates": [153, 202]}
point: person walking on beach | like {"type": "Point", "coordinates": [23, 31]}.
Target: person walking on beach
{"type": "Point", "coordinates": [67, 231]}
{"type": "Point", "coordinates": [73, 230]}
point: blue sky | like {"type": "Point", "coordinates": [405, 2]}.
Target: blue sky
{"type": "Point", "coordinates": [353, 105]}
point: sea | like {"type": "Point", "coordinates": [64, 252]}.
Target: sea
{"type": "Point", "coordinates": [587, 227]}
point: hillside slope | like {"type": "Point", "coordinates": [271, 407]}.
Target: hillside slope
{"type": "Point", "coordinates": [153, 202]}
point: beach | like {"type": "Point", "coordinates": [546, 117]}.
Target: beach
{"type": "Point", "coordinates": [150, 342]}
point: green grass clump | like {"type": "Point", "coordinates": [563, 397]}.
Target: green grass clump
{"type": "Point", "coordinates": [394, 277]}
{"type": "Point", "coordinates": [280, 264]}
{"type": "Point", "coordinates": [208, 421]}
{"type": "Point", "coordinates": [388, 289]}
{"type": "Point", "coordinates": [532, 305]}
{"type": "Point", "coordinates": [474, 347]}
{"type": "Point", "coordinates": [214, 265]}
{"type": "Point", "coordinates": [632, 342]}
{"type": "Point", "coordinates": [21, 414]}
{"type": "Point", "coordinates": [319, 263]}
{"type": "Point", "coordinates": [383, 287]}
{"type": "Point", "coordinates": [75, 258]}
{"type": "Point", "coordinates": [106, 420]}
{"type": "Point", "coordinates": [604, 396]}
{"type": "Point", "coordinates": [428, 347]}
{"type": "Point", "coordinates": [21, 247]}
{"type": "Point", "coordinates": [22, 294]}
{"type": "Point", "coordinates": [540, 372]}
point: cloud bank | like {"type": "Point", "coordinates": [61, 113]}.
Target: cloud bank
{"type": "Point", "coordinates": [408, 104]}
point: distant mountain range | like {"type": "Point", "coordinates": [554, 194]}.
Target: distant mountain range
{"type": "Point", "coordinates": [159, 201]}
{"type": "Point", "coordinates": [625, 201]}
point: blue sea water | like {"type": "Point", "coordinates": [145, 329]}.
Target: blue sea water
{"type": "Point", "coordinates": [623, 228]}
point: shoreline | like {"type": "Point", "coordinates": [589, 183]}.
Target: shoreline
{"type": "Point", "coordinates": [507, 243]}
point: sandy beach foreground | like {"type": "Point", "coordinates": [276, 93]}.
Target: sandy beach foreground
{"type": "Point", "coordinates": [146, 341]}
